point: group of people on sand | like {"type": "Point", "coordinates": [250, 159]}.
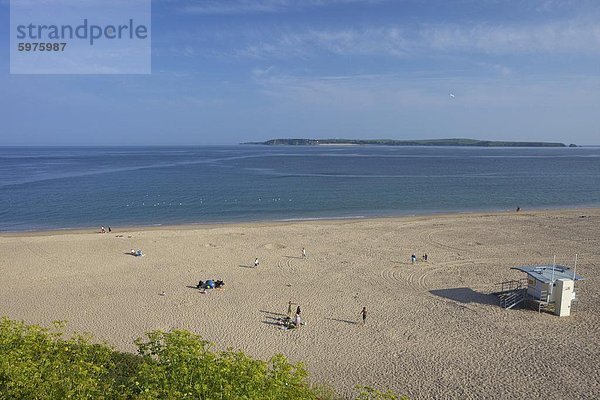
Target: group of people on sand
{"type": "Point", "coordinates": [288, 322]}
{"type": "Point", "coordinates": [413, 258]}
{"type": "Point", "coordinates": [136, 253]}
{"type": "Point", "coordinates": [102, 230]}
{"type": "Point", "coordinates": [210, 284]}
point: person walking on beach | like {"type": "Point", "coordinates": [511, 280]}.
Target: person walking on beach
{"type": "Point", "coordinates": [303, 252]}
{"type": "Point", "coordinates": [289, 310]}
{"type": "Point", "coordinates": [102, 230]}
{"type": "Point", "coordinates": [256, 262]}
{"type": "Point", "coordinates": [425, 257]}
{"type": "Point", "coordinates": [413, 258]}
{"type": "Point", "coordinates": [297, 321]}
{"type": "Point", "coordinates": [364, 314]}
{"type": "Point", "coordinates": [109, 229]}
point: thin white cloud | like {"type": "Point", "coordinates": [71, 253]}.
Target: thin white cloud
{"type": "Point", "coordinates": [220, 7]}
{"type": "Point", "coordinates": [76, 3]}
{"type": "Point", "coordinates": [259, 72]}
{"type": "Point", "coordinates": [371, 41]}
{"type": "Point", "coordinates": [552, 37]}
{"type": "Point", "coordinates": [565, 37]}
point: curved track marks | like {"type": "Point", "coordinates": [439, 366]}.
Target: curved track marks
{"type": "Point", "coordinates": [428, 237]}
{"type": "Point", "coordinates": [416, 280]}
{"type": "Point", "coordinates": [287, 265]}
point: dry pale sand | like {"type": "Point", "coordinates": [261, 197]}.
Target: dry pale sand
{"type": "Point", "coordinates": [433, 330]}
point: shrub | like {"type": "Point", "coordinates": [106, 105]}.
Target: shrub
{"type": "Point", "coordinates": [180, 365]}
{"type": "Point", "coordinates": [38, 363]}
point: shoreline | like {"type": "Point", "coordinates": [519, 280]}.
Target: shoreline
{"type": "Point", "coordinates": [270, 222]}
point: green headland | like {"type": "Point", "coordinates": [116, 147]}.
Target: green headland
{"type": "Point", "coordinates": [392, 142]}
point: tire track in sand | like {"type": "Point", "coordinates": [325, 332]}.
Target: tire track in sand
{"type": "Point", "coordinates": [418, 278]}
{"type": "Point", "coordinates": [428, 237]}
{"type": "Point", "coordinates": [415, 279]}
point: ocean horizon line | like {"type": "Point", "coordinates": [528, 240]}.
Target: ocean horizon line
{"type": "Point", "coordinates": [236, 144]}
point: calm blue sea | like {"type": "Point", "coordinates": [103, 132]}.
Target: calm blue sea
{"type": "Point", "coordinates": [54, 188]}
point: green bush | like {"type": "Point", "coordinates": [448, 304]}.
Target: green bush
{"type": "Point", "coordinates": [180, 365]}
{"type": "Point", "coordinates": [38, 363]}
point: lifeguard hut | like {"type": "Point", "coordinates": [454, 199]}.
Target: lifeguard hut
{"type": "Point", "coordinates": [548, 288]}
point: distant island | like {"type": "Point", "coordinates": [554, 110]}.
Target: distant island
{"type": "Point", "coordinates": [391, 142]}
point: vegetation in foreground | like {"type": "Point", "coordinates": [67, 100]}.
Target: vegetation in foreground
{"type": "Point", "coordinates": [39, 363]}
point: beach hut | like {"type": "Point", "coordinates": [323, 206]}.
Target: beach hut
{"type": "Point", "coordinates": [550, 288]}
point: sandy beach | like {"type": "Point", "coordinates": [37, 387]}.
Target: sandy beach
{"type": "Point", "coordinates": [433, 329]}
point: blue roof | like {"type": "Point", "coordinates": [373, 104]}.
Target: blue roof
{"type": "Point", "coordinates": [545, 274]}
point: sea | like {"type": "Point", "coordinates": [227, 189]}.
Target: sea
{"type": "Point", "coordinates": [48, 188]}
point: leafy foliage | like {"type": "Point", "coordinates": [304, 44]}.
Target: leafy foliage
{"type": "Point", "coordinates": [180, 365]}
{"type": "Point", "coordinates": [39, 363]}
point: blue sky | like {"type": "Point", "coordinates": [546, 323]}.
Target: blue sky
{"type": "Point", "coordinates": [224, 72]}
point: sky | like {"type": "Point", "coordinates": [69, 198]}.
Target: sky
{"type": "Point", "coordinates": [225, 72]}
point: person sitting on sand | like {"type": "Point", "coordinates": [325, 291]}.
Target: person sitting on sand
{"type": "Point", "coordinates": [219, 284]}
{"type": "Point", "coordinates": [256, 262]}
{"type": "Point", "coordinates": [132, 252]}
{"type": "Point", "coordinates": [286, 323]}
{"type": "Point", "coordinates": [200, 285]}
{"type": "Point", "coordinates": [102, 230]}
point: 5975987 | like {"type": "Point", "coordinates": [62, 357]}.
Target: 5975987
{"type": "Point", "coordinates": [41, 46]}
